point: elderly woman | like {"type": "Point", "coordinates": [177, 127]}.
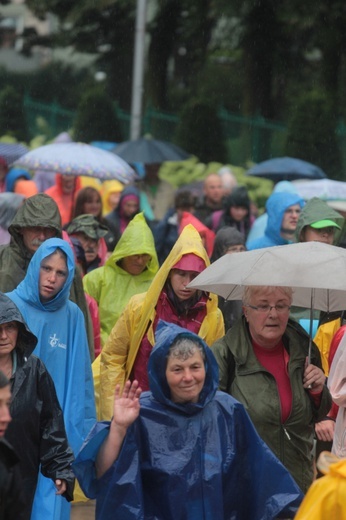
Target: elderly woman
{"type": "Point", "coordinates": [37, 431]}
{"type": "Point", "coordinates": [182, 450]}
{"type": "Point", "coordinates": [263, 363]}
{"type": "Point", "coordinates": [126, 352]}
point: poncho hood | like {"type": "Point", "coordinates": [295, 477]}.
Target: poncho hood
{"type": "Point", "coordinates": [38, 210]}
{"type": "Point", "coordinates": [276, 206]}
{"type": "Point", "coordinates": [26, 341]}
{"type": "Point", "coordinates": [28, 289]}
{"type": "Point", "coordinates": [137, 239]}
{"type": "Point", "coordinates": [165, 335]}
{"type": "Point", "coordinates": [314, 210]}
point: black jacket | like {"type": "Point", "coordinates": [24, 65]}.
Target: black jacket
{"type": "Point", "coordinates": [11, 491]}
{"type": "Point", "coordinates": [37, 431]}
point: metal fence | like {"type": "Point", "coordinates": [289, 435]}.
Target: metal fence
{"type": "Point", "coordinates": [246, 138]}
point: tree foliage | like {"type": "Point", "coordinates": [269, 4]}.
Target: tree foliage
{"type": "Point", "coordinates": [96, 119]}
{"type": "Point", "coordinates": [199, 131]}
{"type": "Point", "coordinates": [12, 119]}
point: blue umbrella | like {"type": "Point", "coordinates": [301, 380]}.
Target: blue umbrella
{"type": "Point", "coordinates": [286, 169]}
{"type": "Point", "coordinates": [149, 151]}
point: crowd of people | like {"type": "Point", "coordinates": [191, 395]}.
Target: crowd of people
{"type": "Point", "coordinates": [208, 408]}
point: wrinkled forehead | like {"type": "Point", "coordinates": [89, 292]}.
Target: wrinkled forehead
{"type": "Point", "coordinates": [266, 292]}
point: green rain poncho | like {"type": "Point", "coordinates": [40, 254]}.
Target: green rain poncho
{"type": "Point", "coordinates": [110, 285]}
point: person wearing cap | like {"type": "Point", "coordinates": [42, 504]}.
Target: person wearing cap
{"type": "Point", "coordinates": [88, 230]}
{"type": "Point", "coordinates": [319, 222]}
{"type": "Point", "coordinates": [283, 210]}
{"type": "Point", "coordinates": [126, 353]}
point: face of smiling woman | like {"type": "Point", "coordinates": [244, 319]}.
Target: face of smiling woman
{"type": "Point", "coordinates": [267, 328]}
{"type": "Point", "coordinates": [185, 377]}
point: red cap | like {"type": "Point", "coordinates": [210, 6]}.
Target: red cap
{"type": "Point", "coordinates": [190, 262]}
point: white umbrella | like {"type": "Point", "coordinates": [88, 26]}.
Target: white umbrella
{"type": "Point", "coordinates": [78, 159]}
{"type": "Point", "coordinates": [326, 189]}
{"type": "Point", "coordinates": [315, 271]}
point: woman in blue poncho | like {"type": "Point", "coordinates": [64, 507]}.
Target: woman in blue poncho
{"type": "Point", "coordinates": [182, 451]}
{"type": "Point", "coordinates": [43, 299]}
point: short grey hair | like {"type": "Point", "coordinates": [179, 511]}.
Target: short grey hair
{"type": "Point", "coordinates": [251, 290]}
{"type": "Point", "coordinates": [184, 348]}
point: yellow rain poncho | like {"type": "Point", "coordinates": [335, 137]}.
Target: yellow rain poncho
{"type": "Point", "coordinates": [110, 285]}
{"type": "Point", "coordinates": [326, 498]}
{"type": "Point", "coordinates": [120, 351]}
{"type": "Point", "coordinates": [109, 187]}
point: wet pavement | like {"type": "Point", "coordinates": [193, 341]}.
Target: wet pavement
{"type": "Point", "coordinates": [83, 511]}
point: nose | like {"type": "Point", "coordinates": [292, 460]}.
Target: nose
{"type": "Point", "coordinates": [187, 375]}
{"type": "Point", "coordinates": [3, 333]}
{"type": "Point", "coordinates": [52, 276]}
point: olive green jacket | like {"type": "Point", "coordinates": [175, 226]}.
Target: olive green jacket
{"type": "Point", "coordinates": [39, 210]}
{"type": "Point", "coordinates": [242, 376]}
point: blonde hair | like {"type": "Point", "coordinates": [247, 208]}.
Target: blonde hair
{"type": "Point", "coordinates": [251, 290]}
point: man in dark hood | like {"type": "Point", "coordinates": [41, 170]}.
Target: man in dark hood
{"type": "Point", "coordinates": [35, 221]}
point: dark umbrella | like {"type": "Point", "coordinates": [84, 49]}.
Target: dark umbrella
{"type": "Point", "coordinates": [286, 169]}
{"type": "Point", "coordinates": [149, 151]}
{"type": "Point", "coordinates": [12, 151]}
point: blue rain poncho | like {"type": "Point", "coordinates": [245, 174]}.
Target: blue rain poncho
{"type": "Point", "coordinates": [187, 461]}
{"type": "Point", "coordinates": [63, 347]}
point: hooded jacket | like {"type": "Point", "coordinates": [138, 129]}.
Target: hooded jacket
{"type": "Point", "coordinates": [314, 210]}
{"type": "Point", "coordinates": [325, 499]}
{"type": "Point", "coordinates": [12, 501]}
{"type": "Point", "coordinates": [62, 346]}
{"type": "Point", "coordinates": [120, 351]}
{"type": "Point", "coordinates": [36, 432]}
{"type": "Point", "coordinates": [276, 206]}
{"type": "Point", "coordinates": [188, 461]}
{"type": "Point", "coordinates": [242, 376]}
{"type": "Point", "coordinates": [65, 201]}
{"type": "Point", "coordinates": [111, 286]}
{"type": "Point", "coordinates": [39, 210]}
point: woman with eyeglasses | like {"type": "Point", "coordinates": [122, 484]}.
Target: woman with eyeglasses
{"type": "Point", "coordinates": [263, 362]}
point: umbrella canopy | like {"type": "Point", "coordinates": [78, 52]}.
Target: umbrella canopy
{"type": "Point", "coordinates": [78, 159]}
{"type": "Point", "coordinates": [12, 151]}
{"type": "Point", "coordinates": [286, 169]}
{"type": "Point", "coordinates": [326, 189]}
{"type": "Point", "coordinates": [150, 151]}
{"type": "Point", "coordinates": [313, 269]}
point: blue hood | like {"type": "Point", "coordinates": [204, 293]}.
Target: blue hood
{"type": "Point", "coordinates": [165, 335]}
{"type": "Point", "coordinates": [28, 289]}
{"type": "Point", "coordinates": [276, 206]}
{"type": "Point", "coordinates": [13, 175]}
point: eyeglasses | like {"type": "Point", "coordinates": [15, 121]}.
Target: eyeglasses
{"type": "Point", "coordinates": [280, 308]}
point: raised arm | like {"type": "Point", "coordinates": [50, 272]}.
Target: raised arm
{"type": "Point", "coordinates": [125, 412]}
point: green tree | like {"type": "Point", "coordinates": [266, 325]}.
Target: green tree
{"type": "Point", "coordinates": [12, 118]}
{"type": "Point", "coordinates": [96, 119]}
{"type": "Point", "coordinates": [199, 132]}
{"type": "Point", "coordinates": [312, 133]}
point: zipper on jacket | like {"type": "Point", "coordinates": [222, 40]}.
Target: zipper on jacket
{"type": "Point", "coordinates": [286, 433]}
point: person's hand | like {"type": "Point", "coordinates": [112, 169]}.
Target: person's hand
{"type": "Point", "coordinates": [61, 486]}
{"type": "Point", "coordinates": [126, 405]}
{"type": "Point", "coordinates": [313, 378]}
{"type": "Point", "coordinates": [325, 430]}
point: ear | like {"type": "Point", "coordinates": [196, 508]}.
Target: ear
{"type": "Point", "coordinates": [245, 311]}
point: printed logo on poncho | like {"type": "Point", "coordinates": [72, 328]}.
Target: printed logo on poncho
{"type": "Point", "coordinates": [54, 342]}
